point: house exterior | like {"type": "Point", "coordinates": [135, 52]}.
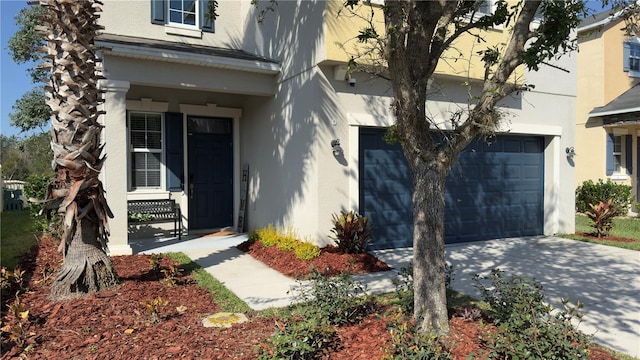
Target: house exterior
{"type": "Point", "coordinates": [608, 103]}
{"type": "Point", "coordinates": [192, 102]}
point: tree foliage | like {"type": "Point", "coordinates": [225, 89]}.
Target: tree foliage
{"type": "Point", "coordinates": [27, 156]}
{"type": "Point", "coordinates": [414, 40]}
{"type": "Point", "coordinates": [30, 111]}
{"type": "Point", "coordinates": [24, 46]}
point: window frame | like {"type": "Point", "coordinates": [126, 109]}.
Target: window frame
{"type": "Point", "coordinates": [196, 14]}
{"type": "Point", "coordinates": [631, 57]}
{"type": "Point", "coordinates": [145, 150]}
{"type": "Point", "coordinates": [634, 59]}
{"type": "Point", "coordinates": [617, 154]}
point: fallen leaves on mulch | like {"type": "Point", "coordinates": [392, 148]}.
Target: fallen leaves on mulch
{"type": "Point", "coordinates": [331, 261]}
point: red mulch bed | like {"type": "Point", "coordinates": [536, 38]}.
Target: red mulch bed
{"type": "Point", "coordinates": [97, 326]}
{"type": "Point", "coordinates": [605, 238]}
{"type": "Point", "coordinates": [331, 261]}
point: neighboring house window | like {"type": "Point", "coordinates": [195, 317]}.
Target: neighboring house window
{"type": "Point", "coordinates": [145, 136]}
{"type": "Point", "coordinates": [619, 155]}
{"type": "Point", "coordinates": [186, 13]}
{"type": "Point", "coordinates": [486, 7]}
{"type": "Point", "coordinates": [631, 57]}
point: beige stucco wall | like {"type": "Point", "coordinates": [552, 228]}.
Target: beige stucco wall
{"type": "Point", "coordinates": [344, 23]}
{"type": "Point", "coordinates": [600, 80]}
{"type": "Point", "coordinates": [132, 18]}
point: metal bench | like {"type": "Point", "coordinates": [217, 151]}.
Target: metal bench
{"type": "Point", "coordinates": [155, 211]}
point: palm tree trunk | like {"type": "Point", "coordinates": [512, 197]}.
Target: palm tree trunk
{"type": "Point", "coordinates": [76, 193]}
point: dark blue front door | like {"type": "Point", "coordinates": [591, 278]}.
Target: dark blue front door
{"type": "Point", "coordinates": [210, 186]}
{"type": "Point", "coordinates": [494, 191]}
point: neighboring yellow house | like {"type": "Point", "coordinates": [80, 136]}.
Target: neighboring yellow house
{"type": "Point", "coordinates": [608, 103]}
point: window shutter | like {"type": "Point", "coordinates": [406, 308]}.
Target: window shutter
{"type": "Point", "coordinates": [609, 154]}
{"type": "Point", "coordinates": [158, 11]}
{"type": "Point", "coordinates": [174, 148]}
{"type": "Point", "coordinates": [628, 156]}
{"type": "Point", "coordinates": [638, 165]}
{"type": "Point", "coordinates": [205, 23]}
{"type": "Point", "coordinates": [626, 56]}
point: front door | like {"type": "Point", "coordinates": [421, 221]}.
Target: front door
{"type": "Point", "coordinates": [210, 186]}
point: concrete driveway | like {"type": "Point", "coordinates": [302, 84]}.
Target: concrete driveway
{"type": "Point", "coordinates": [604, 278]}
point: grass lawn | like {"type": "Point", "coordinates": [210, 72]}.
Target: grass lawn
{"type": "Point", "coordinates": [17, 236]}
{"type": "Point", "coordinates": [622, 227]}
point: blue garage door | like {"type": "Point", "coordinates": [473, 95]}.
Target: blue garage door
{"type": "Point", "coordinates": [494, 191]}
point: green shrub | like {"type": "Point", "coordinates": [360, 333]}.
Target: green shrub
{"type": "Point", "coordinates": [592, 193]}
{"type": "Point", "coordinates": [528, 328]}
{"type": "Point", "coordinates": [305, 339]}
{"type": "Point", "coordinates": [306, 251]}
{"type": "Point", "coordinates": [339, 299]}
{"type": "Point", "coordinates": [352, 232]}
{"type": "Point", "coordinates": [268, 236]}
{"type": "Point", "coordinates": [602, 217]}
{"type": "Point", "coordinates": [325, 301]}
{"type": "Point", "coordinates": [408, 343]}
{"type": "Point", "coordinates": [35, 187]}
{"type": "Point", "coordinates": [285, 241]}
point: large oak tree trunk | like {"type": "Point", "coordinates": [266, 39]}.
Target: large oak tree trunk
{"type": "Point", "coordinates": [430, 298]}
{"type": "Point", "coordinates": [76, 193]}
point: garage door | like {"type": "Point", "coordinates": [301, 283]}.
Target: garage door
{"type": "Point", "coordinates": [494, 191]}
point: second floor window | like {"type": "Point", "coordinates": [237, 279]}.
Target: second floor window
{"type": "Point", "coordinates": [634, 57]}
{"type": "Point", "coordinates": [191, 14]}
{"type": "Point", "coordinates": [183, 12]}
{"type": "Point", "coordinates": [631, 57]}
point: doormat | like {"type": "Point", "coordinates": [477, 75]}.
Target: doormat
{"type": "Point", "coordinates": [223, 233]}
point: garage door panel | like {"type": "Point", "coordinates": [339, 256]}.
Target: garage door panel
{"type": "Point", "coordinates": [495, 190]}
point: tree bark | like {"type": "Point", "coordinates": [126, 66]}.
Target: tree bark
{"type": "Point", "coordinates": [430, 297]}
{"type": "Point", "coordinates": [76, 193]}
{"type": "Point", "coordinates": [87, 268]}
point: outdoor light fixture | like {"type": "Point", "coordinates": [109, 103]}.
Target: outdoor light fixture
{"type": "Point", "coordinates": [335, 145]}
{"type": "Point", "coordinates": [571, 152]}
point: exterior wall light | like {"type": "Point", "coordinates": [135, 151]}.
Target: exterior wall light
{"type": "Point", "coordinates": [335, 145]}
{"type": "Point", "coordinates": [571, 152]}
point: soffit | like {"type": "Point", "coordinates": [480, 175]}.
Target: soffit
{"type": "Point", "coordinates": [158, 50]}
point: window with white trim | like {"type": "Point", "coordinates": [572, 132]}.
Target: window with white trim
{"type": "Point", "coordinates": [617, 154]}
{"type": "Point", "coordinates": [187, 15]}
{"type": "Point", "coordinates": [183, 12]}
{"type": "Point", "coordinates": [631, 57]}
{"type": "Point", "coordinates": [145, 140]}
{"type": "Point", "coordinates": [634, 57]}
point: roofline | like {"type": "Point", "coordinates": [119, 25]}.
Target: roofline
{"type": "Point", "coordinates": [614, 112]}
{"type": "Point", "coordinates": [125, 50]}
{"type": "Point", "coordinates": [604, 21]}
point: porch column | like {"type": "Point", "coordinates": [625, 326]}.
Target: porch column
{"type": "Point", "coordinates": [113, 175]}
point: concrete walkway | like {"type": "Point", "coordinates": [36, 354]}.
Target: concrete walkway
{"type": "Point", "coordinates": [605, 279]}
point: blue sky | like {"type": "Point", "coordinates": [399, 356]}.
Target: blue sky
{"type": "Point", "coordinates": [14, 79]}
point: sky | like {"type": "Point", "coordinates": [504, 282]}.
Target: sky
{"type": "Point", "coordinates": [14, 78]}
